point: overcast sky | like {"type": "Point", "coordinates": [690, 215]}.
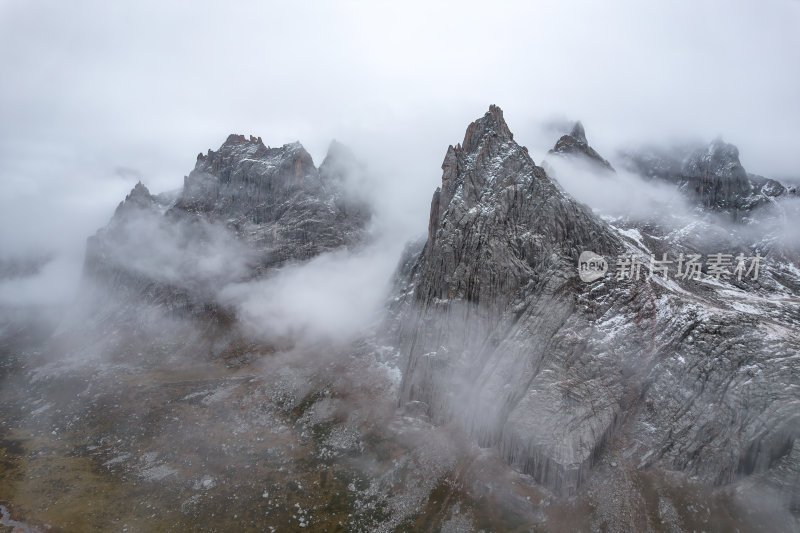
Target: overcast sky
{"type": "Point", "coordinates": [95, 95]}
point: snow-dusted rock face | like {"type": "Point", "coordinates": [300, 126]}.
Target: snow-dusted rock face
{"type": "Point", "coordinates": [498, 333]}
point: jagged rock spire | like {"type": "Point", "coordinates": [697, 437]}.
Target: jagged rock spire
{"type": "Point", "coordinates": [491, 124]}
{"type": "Point", "coordinates": [139, 191]}
{"type": "Point", "coordinates": [138, 198]}
{"type": "Point", "coordinates": [575, 144]}
{"type": "Point", "coordinates": [500, 230]}
{"type": "Point", "coordinates": [482, 156]}
{"type": "Point", "coordinates": [578, 133]}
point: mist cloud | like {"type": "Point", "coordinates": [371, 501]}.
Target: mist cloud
{"type": "Point", "coordinates": [620, 193]}
{"type": "Point", "coordinates": [332, 299]}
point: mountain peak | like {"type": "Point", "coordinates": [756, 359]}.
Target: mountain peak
{"type": "Point", "coordinates": [575, 143]}
{"type": "Point", "coordinates": [235, 139]}
{"type": "Point", "coordinates": [578, 133]}
{"type": "Point", "coordinates": [139, 199]}
{"type": "Point", "coordinates": [489, 155]}
{"type": "Point", "coordinates": [338, 158]}
{"type": "Point", "coordinates": [491, 124]}
{"type": "Point", "coordinates": [717, 177]}
{"type": "Point", "coordinates": [139, 196]}
{"type": "Point", "coordinates": [485, 167]}
{"type": "Point", "coordinates": [718, 158]}
{"type": "Point", "coordinates": [345, 177]}
{"type": "Point", "coordinates": [720, 149]}
{"type": "Point", "coordinates": [499, 232]}
{"type": "Point", "coordinates": [139, 190]}
{"type": "Point", "coordinates": [336, 148]}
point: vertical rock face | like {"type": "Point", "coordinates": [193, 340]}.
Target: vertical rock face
{"type": "Point", "coordinates": [491, 328]}
{"type": "Point", "coordinates": [575, 144]}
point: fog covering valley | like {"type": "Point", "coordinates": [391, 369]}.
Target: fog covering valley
{"type": "Point", "coordinates": [362, 305]}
